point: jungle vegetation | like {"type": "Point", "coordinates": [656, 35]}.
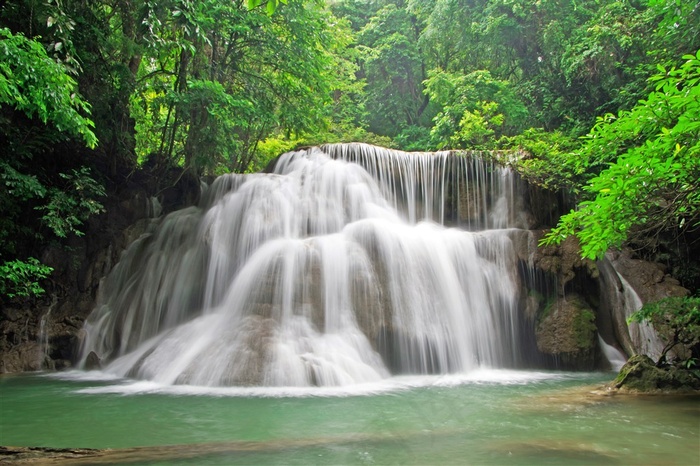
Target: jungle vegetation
{"type": "Point", "coordinates": [602, 97]}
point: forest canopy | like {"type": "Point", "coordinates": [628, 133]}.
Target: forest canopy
{"type": "Point", "coordinates": [601, 96]}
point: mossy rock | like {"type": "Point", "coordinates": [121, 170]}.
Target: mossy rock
{"type": "Point", "coordinates": [566, 330]}
{"type": "Point", "coordinates": [641, 374]}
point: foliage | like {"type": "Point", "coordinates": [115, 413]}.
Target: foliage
{"type": "Point", "coordinates": [36, 85]}
{"type": "Point", "coordinates": [69, 206]}
{"type": "Point", "coordinates": [270, 5]}
{"type": "Point", "coordinates": [20, 278]}
{"type": "Point", "coordinates": [414, 138]}
{"type": "Point", "coordinates": [545, 158]}
{"type": "Point", "coordinates": [41, 108]}
{"type": "Point", "coordinates": [651, 156]}
{"type": "Point", "coordinates": [677, 321]}
{"type": "Point", "coordinates": [221, 78]}
{"type": "Point", "coordinates": [391, 64]}
{"type": "Point", "coordinates": [475, 109]}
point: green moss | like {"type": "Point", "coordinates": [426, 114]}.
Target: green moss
{"type": "Point", "coordinates": [584, 329]}
{"type": "Point", "coordinates": [641, 374]}
{"type": "Point", "coordinates": [546, 310]}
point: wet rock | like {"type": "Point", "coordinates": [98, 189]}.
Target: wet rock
{"type": "Point", "coordinates": [566, 330]}
{"type": "Point", "coordinates": [93, 362]}
{"type": "Point", "coordinates": [649, 279]}
{"type": "Point", "coordinates": [641, 374]}
{"type": "Point", "coordinates": [43, 455]}
{"type": "Point", "coordinates": [23, 357]}
{"type": "Point", "coordinates": [564, 261]}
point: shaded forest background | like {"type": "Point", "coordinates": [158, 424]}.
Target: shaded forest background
{"type": "Point", "coordinates": [601, 96]}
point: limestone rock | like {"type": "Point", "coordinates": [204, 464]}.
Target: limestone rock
{"type": "Point", "coordinates": [93, 362]}
{"type": "Point", "coordinates": [566, 330]}
{"type": "Point", "coordinates": [564, 261]}
{"type": "Point", "coordinates": [649, 279]}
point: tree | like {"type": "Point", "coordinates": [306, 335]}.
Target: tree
{"type": "Point", "coordinates": [677, 321]}
{"type": "Point", "coordinates": [39, 106]}
{"type": "Point", "coordinates": [474, 109]}
{"type": "Point", "coordinates": [220, 78]}
{"type": "Point", "coordinates": [392, 65]}
{"type": "Point", "coordinates": [647, 162]}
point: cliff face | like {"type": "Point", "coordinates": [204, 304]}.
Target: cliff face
{"type": "Point", "coordinates": [44, 333]}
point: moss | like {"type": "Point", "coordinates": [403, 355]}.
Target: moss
{"type": "Point", "coordinates": [549, 305]}
{"type": "Point", "coordinates": [584, 328]}
{"type": "Point", "coordinates": [641, 374]}
{"type": "Point", "coordinates": [566, 329]}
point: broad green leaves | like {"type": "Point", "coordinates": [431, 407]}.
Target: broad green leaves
{"type": "Point", "coordinates": [270, 5]}
{"type": "Point", "coordinates": [36, 85]}
{"type": "Point", "coordinates": [20, 278]}
{"type": "Point", "coordinates": [651, 156]}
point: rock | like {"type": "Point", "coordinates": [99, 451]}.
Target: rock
{"type": "Point", "coordinates": [43, 455]}
{"type": "Point", "coordinates": [93, 362]}
{"type": "Point", "coordinates": [564, 261]}
{"type": "Point", "coordinates": [649, 279]}
{"type": "Point", "coordinates": [566, 330]}
{"type": "Point", "coordinates": [24, 357]}
{"type": "Point", "coordinates": [641, 374]}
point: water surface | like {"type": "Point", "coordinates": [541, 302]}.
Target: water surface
{"type": "Point", "coordinates": [485, 417]}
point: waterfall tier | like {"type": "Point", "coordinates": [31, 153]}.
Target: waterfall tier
{"type": "Point", "coordinates": [337, 268]}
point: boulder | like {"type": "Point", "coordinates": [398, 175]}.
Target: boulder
{"type": "Point", "coordinates": [641, 374]}
{"type": "Point", "coordinates": [566, 330]}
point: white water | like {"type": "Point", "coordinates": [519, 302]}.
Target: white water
{"type": "Point", "coordinates": [334, 270]}
{"type": "Point", "coordinates": [44, 344]}
{"type": "Point", "coordinates": [644, 337]}
{"type": "Point", "coordinates": [106, 384]}
{"type": "Point", "coordinates": [615, 357]}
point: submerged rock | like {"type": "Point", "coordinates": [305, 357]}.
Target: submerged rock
{"type": "Point", "coordinates": [43, 455]}
{"type": "Point", "coordinates": [641, 374]}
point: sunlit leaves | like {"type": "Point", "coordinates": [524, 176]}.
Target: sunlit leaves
{"type": "Point", "coordinates": [36, 85]}
{"type": "Point", "coordinates": [20, 278]}
{"type": "Point", "coordinates": [651, 181]}
{"type": "Point", "coordinates": [270, 5]}
{"type": "Point", "coordinates": [475, 109]}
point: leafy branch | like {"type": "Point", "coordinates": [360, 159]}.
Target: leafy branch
{"type": "Point", "coordinates": [652, 154]}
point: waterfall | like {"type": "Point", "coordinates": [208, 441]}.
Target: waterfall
{"type": "Point", "coordinates": [620, 301]}
{"type": "Point", "coordinates": [644, 337]}
{"type": "Point", "coordinates": [347, 264]}
{"type": "Point", "coordinates": [615, 357]}
{"type": "Point", "coordinates": [44, 344]}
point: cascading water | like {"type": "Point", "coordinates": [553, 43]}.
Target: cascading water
{"type": "Point", "coordinates": [44, 344]}
{"type": "Point", "coordinates": [643, 335]}
{"type": "Point", "coordinates": [620, 301]}
{"type": "Point", "coordinates": [335, 269]}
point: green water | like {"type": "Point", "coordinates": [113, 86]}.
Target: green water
{"type": "Point", "coordinates": [500, 418]}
